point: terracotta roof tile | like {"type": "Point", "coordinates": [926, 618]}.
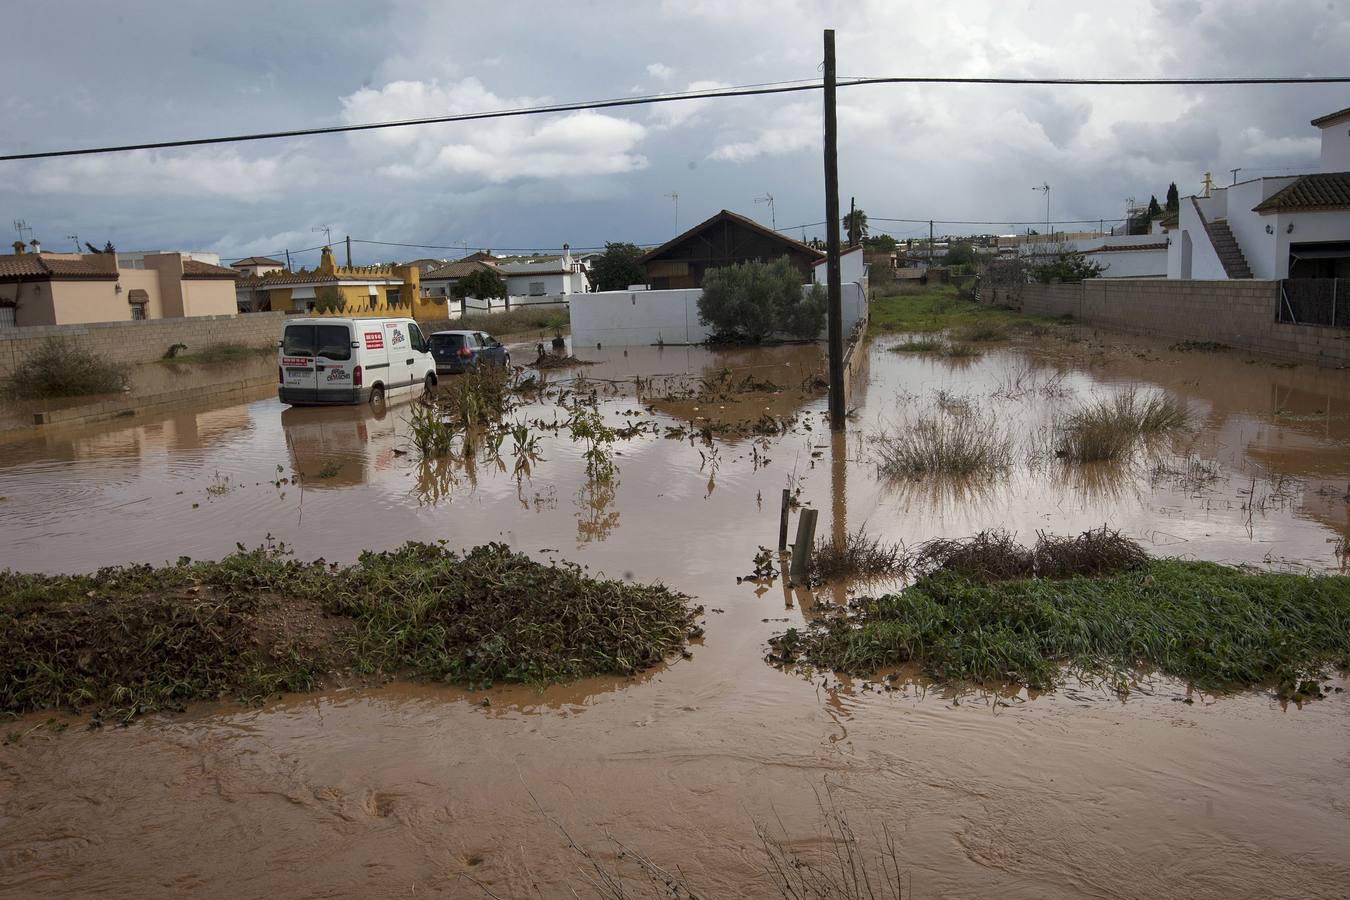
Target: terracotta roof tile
{"type": "Point", "coordinates": [193, 268]}
{"type": "Point", "coordinates": [1323, 191]}
{"type": "Point", "coordinates": [459, 269]}
{"type": "Point", "coordinates": [256, 261]}
{"type": "Point", "coordinates": [14, 267]}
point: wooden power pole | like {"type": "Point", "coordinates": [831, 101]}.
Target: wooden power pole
{"type": "Point", "coordinates": [836, 308]}
{"type": "Point", "coordinates": [349, 251]}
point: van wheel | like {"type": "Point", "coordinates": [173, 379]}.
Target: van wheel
{"type": "Point", "coordinates": [377, 395]}
{"type": "Point", "coordinates": [430, 382]}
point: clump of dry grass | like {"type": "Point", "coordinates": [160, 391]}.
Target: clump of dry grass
{"type": "Point", "coordinates": [1098, 551]}
{"type": "Point", "coordinates": [964, 445]}
{"type": "Point", "coordinates": [1109, 428]}
{"type": "Point", "coordinates": [859, 557]}
{"type": "Point", "coordinates": [992, 555]}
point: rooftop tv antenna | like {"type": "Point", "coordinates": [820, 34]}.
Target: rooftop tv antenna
{"type": "Point", "coordinates": [1045, 189]}
{"type": "Point", "coordinates": [21, 226]}
{"type": "Point", "coordinates": [768, 198]}
{"type": "Point", "coordinates": [76, 239]}
{"type": "Point", "coordinates": [327, 234]}
{"type": "Point", "coordinates": [676, 198]}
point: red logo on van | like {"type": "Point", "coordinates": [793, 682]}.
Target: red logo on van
{"type": "Point", "coordinates": [296, 361]}
{"type": "Point", "coordinates": [374, 340]}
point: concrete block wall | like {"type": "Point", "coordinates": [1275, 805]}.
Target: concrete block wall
{"type": "Point", "coordinates": [1238, 313]}
{"type": "Point", "coordinates": [143, 341]}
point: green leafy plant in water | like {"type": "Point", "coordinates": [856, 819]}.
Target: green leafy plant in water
{"type": "Point", "coordinates": [588, 426]}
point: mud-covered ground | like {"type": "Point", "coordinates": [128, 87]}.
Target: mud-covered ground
{"type": "Point", "coordinates": [408, 789]}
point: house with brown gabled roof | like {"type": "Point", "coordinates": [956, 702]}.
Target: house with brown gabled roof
{"type": "Point", "coordinates": [40, 288]}
{"type": "Point", "coordinates": [257, 265]}
{"type": "Point", "coordinates": [1290, 227]}
{"type": "Point", "coordinates": [722, 240]}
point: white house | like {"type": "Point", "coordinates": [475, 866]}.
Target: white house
{"type": "Point", "coordinates": [851, 267]}
{"type": "Point", "coordinates": [544, 276]}
{"type": "Point", "coordinates": [1294, 226]}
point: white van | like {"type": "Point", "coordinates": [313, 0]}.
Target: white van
{"type": "Point", "coordinates": [323, 361]}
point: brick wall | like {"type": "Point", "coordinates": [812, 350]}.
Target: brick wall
{"type": "Point", "coordinates": [1239, 313]}
{"type": "Point", "coordinates": [145, 341]}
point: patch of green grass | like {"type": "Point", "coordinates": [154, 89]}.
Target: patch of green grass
{"type": "Point", "coordinates": [1216, 627]}
{"type": "Point", "coordinates": [963, 445]}
{"type": "Point", "coordinates": [939, 308]}
{"type": "Point", "coordinates": [217, 353]}
{"type": "Point", "coordinates": [134, 639]}
{"type": "Point", "coordinates": [919, 345]}
{"type": "Point", "coordinates": [59, 368]}
{"type": "Point", "coordinates": [981, 332]}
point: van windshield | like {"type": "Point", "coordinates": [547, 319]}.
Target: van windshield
{"type": "Point", "coordinates": [328, 341]}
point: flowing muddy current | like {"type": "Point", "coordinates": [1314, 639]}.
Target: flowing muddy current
{"type": "Point", "coordinates": [408, 789]}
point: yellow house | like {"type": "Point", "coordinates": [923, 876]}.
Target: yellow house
{"type": "Point", "coordinates": [333, 290]}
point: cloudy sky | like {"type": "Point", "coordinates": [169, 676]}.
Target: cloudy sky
{"type": "Point", "coordinates": [86, 73]}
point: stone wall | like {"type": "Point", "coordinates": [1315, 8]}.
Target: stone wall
{"type": "Point", "coordinates": [1238, 313]}
{"type": "Point", "coordinates": [144, 341]}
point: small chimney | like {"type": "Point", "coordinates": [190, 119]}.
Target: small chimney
{"type": "Point", "coordinates": [18, 248]}
{"type": "Point", "coordinates": [37, 245]}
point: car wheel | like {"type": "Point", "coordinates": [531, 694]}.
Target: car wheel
{"type": "Point", "coordinates": [506, 361]}
{"type": "Point", "coordinates": [377, 395]}
{"type": "Point", "coordinates": [430, 381]}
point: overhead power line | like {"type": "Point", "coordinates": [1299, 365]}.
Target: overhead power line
{"type": "Point", "coordinates": [719, 93]}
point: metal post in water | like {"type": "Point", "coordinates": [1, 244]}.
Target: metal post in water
{"type": "Point", "coordinates": [783, 514]}
{"type": "Point", "coordinates": [801, 548]}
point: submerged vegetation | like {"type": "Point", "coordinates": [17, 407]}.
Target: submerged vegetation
{"type": "Point", "coordinates": [961, 445]}
{"type": "Point", "coordinates": [135, 639]}
{"type": "Point", "coordinates": [989, 611]}
{"type": "Point", "coordinates": [1108, 429]}
{"type": "Point", "coordinates": [59, 368]}
{"type": "Point", "coordinates": [859, 557]}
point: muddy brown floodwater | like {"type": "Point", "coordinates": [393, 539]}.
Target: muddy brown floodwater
{"type": "Point", "coordinates": [407, 790]}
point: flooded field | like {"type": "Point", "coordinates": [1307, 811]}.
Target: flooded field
{"type": "Point", "coordinates": [408, 789]}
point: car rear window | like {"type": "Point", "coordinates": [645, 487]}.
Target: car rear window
{"type": "Point", "coordinates": [446, 342]}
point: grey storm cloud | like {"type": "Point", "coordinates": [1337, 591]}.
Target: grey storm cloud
{"type": "Point", "coordinates": [128, 72]}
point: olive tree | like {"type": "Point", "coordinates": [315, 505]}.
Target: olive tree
{"type": "Point", "coordinates": [754, 300]}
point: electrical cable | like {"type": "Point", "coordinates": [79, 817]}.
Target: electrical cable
{"type": "Point", "coordinates": [719, 93]}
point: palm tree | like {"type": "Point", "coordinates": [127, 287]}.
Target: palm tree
{"type": "Point", "coordinates": [855, 226]}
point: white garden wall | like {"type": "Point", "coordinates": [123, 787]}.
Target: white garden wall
{"type": "Point", "coordinates": [629, 318]}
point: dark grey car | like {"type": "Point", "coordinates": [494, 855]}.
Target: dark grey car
{"type": "Point", "coordinates": [457, 351]}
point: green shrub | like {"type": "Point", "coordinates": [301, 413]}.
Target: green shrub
{"type": "Point", "coordinates": [61, 369]}
{"type": "Point", "coordinates": [753, 300]}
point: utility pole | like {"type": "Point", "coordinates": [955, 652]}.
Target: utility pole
{"type": "Point", "coordinates": [288, 260]}
{"type": "Point", "coordinates": [349, 251]}
{"type": "Point", "coordinates": [852, 221]}
{"type": "Point", "coordinates": [930, 243]}
{"type": "Point", "coordinates": [835, 327]}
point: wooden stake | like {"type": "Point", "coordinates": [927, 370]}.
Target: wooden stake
{"type": "Point", "coordinates": [783, 515]}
